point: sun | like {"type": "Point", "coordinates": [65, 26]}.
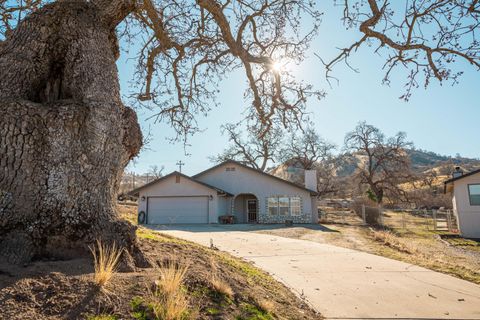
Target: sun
{"type": "Point", "coordinates": [277, 66]}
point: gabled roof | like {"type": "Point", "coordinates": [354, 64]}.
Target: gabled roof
{"type": "Point", "coordinates": [462, 176]}
{"type": "Point", "coordinates": [312, 192]}
{"type": "Point", "coordinates": [137, 190]}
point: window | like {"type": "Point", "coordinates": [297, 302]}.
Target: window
{"type": "Point", "coordinates": [284, 206]}
{"type": "Point", "coordinates": [474, 194]}
{"type": "Point", "coordinates": [295, 206]}
{"type": "Point", "coordinates": [273, 205]}
{"type": "Point", "coordinates": [230, 169]}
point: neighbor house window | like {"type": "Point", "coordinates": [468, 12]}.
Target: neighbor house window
{"type": "Point", "coordinates": [474, 194]}
{"type": "Point", "coordinates": [284, 205]}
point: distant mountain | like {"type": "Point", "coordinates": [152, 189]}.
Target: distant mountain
{"type": "Point", "coordinates": [422, 161]}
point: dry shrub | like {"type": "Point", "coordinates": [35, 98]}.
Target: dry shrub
{"type": "Point", "coordinates": [218, 284]}
{"type": "Point", "coordinates": [221, 287]}
{"type": "Point", "coordinates": [389, 239]}
{"type": "Point", "coordinates": [168, 299]}
{"type": "Point", "coordinates": [105, 260]}
{"type": "Point", "coordinates": [266, 306]}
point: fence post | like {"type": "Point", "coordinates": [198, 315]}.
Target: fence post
{"type": "Point", "coordinates": [380, 214]}
{"type": "Point", "coordinates": [364, 217]}
{"type": "Point", "coordinates": [449, 221]}
{"type": "Point", "coordinates": [425, 215]}
{"type": "Point", "coordinates": [434, 220]}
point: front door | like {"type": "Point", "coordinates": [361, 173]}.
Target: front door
{"type": "Point", "coordinates": [252, 210]}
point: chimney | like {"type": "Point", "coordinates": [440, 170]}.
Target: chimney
{"type": "Point", "coordinates": [311, 180]}
{"type": "Point", "coordinates": [457, 173]}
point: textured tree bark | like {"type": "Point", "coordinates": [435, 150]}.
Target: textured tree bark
{"type": "Point", "coordinates": [65, 136]}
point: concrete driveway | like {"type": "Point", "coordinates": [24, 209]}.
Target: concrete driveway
{"type": "Point", "coordinates": [342, 283]}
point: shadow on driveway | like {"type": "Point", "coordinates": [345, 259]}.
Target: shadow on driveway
{"type": "Point", "coordinates": [235, 227]}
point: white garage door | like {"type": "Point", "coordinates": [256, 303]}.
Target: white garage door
{"type": "Point", "coordinates": [171, 210]}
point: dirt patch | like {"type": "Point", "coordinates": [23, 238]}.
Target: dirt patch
{"type": "Point", "coordinates": [65, 289]}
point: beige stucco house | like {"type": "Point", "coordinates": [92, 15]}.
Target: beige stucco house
{"type": "Point", "coordinates": [465, 190]}
{"type": "Point", "coordinates": [230, 188]}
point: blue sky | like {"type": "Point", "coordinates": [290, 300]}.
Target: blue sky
{"type": "Point", "coordinates": [443, 119]}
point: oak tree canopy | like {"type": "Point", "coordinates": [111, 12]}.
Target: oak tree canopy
{"type": "Point", "coordinates": [187, 47]}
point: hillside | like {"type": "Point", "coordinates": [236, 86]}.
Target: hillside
{"type": "Point", "coordinates": [422, 162]}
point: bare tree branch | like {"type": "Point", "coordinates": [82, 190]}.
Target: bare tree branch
{"type": "Point", "coordinates": [428, 38]}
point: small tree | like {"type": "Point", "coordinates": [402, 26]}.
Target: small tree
{"type": "Point", "coordinates": [253, 150]}
{"type": "Point", "coordinates": [384, 163]}
{"type": "Point", "coordinates": [156, 172]}
{"type": "Point", "coordinates": [309, 151]}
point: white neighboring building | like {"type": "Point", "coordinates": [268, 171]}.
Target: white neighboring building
{"type": "Point", "coordinates": [465, 189]}
{"type": "Point", "coordinates": [230, 188]}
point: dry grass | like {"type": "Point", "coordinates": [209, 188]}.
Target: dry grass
{"type": "Point", "coordinates": [267, 306]}
{"type": "Point", "coordinates": [389, 239]}
{"type": "Point", "coordinates": [218, 284]}
{"type": "Point", "coordinates": [168, 300]}
{"type": "Point", "coordinates": [222, 287]}
{"type": "Point", "coordinates": [105, 259]}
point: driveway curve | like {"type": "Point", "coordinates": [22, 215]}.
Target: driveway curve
{"type": "Point", "coordinates": [343, 283]}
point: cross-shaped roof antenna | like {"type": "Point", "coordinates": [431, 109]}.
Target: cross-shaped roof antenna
{"type": "Point", "coordinates": [180, 164]}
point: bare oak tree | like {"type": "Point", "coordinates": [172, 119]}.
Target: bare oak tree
{"type": "Point", "coordinates": [156, 171]}
{"type": "Point", "coordinates": [383, 162]}
{"type": "Point", "coordinates": [306, 149]}
{"type": "Point", "coordinates": [66, 136]}
{"type": "Point", "coordinates": [253, 151]}
{"type": "Point", "coordinates": [309, 151]}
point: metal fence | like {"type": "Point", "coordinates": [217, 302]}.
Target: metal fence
{"type": "Point", "coordinates": [433, 220]}
{"type": "Point", "coordinates": [430, 220]}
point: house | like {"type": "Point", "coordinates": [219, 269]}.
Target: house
{"type": "Point", "coordinates": [465, 189]}
{"type": "Point", "coordinates": [230, 188]}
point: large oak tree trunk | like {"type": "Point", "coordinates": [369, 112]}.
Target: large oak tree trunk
{"type": "Point", "coordinates": [65, 136]}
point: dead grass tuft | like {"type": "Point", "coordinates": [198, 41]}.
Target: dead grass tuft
{"type": "Point", "coordinates": [389, 239]}
{"type": "Point", "coordinates": [168, 300]}
{"type": "Point", "coordinates": [266, 306]}
{"type": "Point", "coordinates": [221, 287]}
{"type": "Point", "coordinates": [218, 284]}
{"type": "Point", "coordinates": [105, 259]}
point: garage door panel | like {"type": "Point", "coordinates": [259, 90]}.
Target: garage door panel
{"type": "Point", "coordinates": [171, 210]}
